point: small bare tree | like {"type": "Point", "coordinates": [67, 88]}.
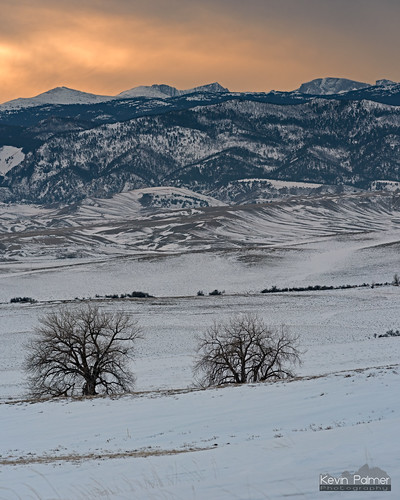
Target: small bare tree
{"type": "Point", "coordinates": [244, 349]}
{"type": "Point", "coordinates": [80, 352]}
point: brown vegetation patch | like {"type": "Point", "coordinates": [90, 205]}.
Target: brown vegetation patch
{"type": "Point", "coordinates": [76, 458]}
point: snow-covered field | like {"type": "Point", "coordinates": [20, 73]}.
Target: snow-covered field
{"type": "Point", "coordinates": [337, 331]}
{"type": "Point", "coordinates": [255, 442]}
{"type": "Point", "coordinates": [170, 440]}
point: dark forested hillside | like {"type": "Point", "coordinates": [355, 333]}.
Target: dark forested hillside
{"type": "Point", "coordinates": [204, 148]}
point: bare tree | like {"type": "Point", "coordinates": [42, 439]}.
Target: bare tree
{"type": "Point", "coordinates": [81, 352]}
{"type": "Point", "coordinates": [244, 349]}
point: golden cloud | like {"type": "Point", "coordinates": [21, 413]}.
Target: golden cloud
{"type": "Point", "coordinates": [106, 47]}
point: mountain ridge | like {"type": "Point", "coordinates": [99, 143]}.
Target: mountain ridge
{"type": "Point", "coordinates": [206, 139]}
{"type": "Point", "coordinates": [330, 85]}
{"type": "Point", "coordinates": [68, 96]}
{"type": "Point", "coordinates": [327, 86]}
{"type": "Point", "coordinates": [206, 148]}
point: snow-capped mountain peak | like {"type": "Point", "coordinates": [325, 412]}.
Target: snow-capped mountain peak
{"type": "Point", "coordinates": [384, 82]}
{"type": "Point", "coordinates": [151, 91]}
{"type": "Point", "coordinates": [163, 91]}
{"type": "Point", "coordinates": [65, 95]}
{"type": "Point", "coordinates": [58, 95]}
{"type": "Point", "coordinates": [330, 85]}
{"type": "Point", "coordinates": [211, 87]}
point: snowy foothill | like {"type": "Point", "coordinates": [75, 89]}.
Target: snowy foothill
{"type": "Point", "coordinates": [263, 441]}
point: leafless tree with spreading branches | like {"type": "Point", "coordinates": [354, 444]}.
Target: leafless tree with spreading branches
{"type": "Point", "coordinates": [81, 351]}
{"type": "Point", "coordinates": [243, 350]}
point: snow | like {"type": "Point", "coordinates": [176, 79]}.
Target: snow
{"type": "Point", "coordinates": [65, 95]}
{"type": "Point", "coordinates": [386, 185]}
{"type": "Point", "coordinates": [10, 157]}
{"type": "Point", "coordinates": [166, 91]}
{"type": "Point", "coordinates": [169, 439]}
{"type": "Point", "coordinates": [277, 184]}
{"type": "Point", "coordinates": [58, 95]}
{"type": "Point", "coordinates": [339, 334]}
{"type": "Point", "coordinates": [115, 227]}
{"type": "Point", "coordinates": [329, 85]}
{"type": "Point", "coordinates": [385, 82]}
{"type": "Point", "coordinates": [143, 91]}
{"type": "Point", "coordinates": [238, 442]}
{"type": "Point", "coordinates": [128, 204]}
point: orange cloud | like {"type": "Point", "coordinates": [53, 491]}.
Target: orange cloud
{"type": "Point", "coordinates": [106, 47]}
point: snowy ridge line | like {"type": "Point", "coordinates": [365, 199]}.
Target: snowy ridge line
{"type": "Point", "coordinates": [340, 373]}
{"type": "Point", "coordinates": [67, 96]}
{"type": "Point", "coordinates": [188, 390]}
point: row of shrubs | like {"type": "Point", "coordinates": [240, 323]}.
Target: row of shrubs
{"type": "Point", "coordinates": [390, 333]}
{"type": "Point", "coordinates": [139, 295]}
{"type": "Point", "coordinates": [200, 293]}
{"type": "Point", "coordinates": [133, 295]}
{"type": "Point", "coordinates": [310, 288]}
{"type": "Point", "coordinates": [28, 300]}
{"type": "Point", "coordinates": [273, 289]}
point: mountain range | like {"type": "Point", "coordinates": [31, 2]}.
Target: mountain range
{"type": "Point", "coordinates": [65, 95]}
{"type": "Point", "coordinates": [65, 145]}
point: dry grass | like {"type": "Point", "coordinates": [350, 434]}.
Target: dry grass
{"type": "Point", "coordinates": [76, 458]}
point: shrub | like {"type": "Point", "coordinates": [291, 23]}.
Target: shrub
{"type": "Point", "coordinates": [390, 333]}
{"type": "Point", "coordinates": [23, 300]}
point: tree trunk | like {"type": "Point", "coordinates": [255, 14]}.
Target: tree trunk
{"type": "Point", "coordinates": [89, 389]}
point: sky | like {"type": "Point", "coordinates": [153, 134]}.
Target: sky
{"type": "Point", "coordinates": [108, 46]}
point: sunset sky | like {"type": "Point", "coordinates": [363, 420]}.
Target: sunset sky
{"type": "Point", "coordinates": [107, 46]}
